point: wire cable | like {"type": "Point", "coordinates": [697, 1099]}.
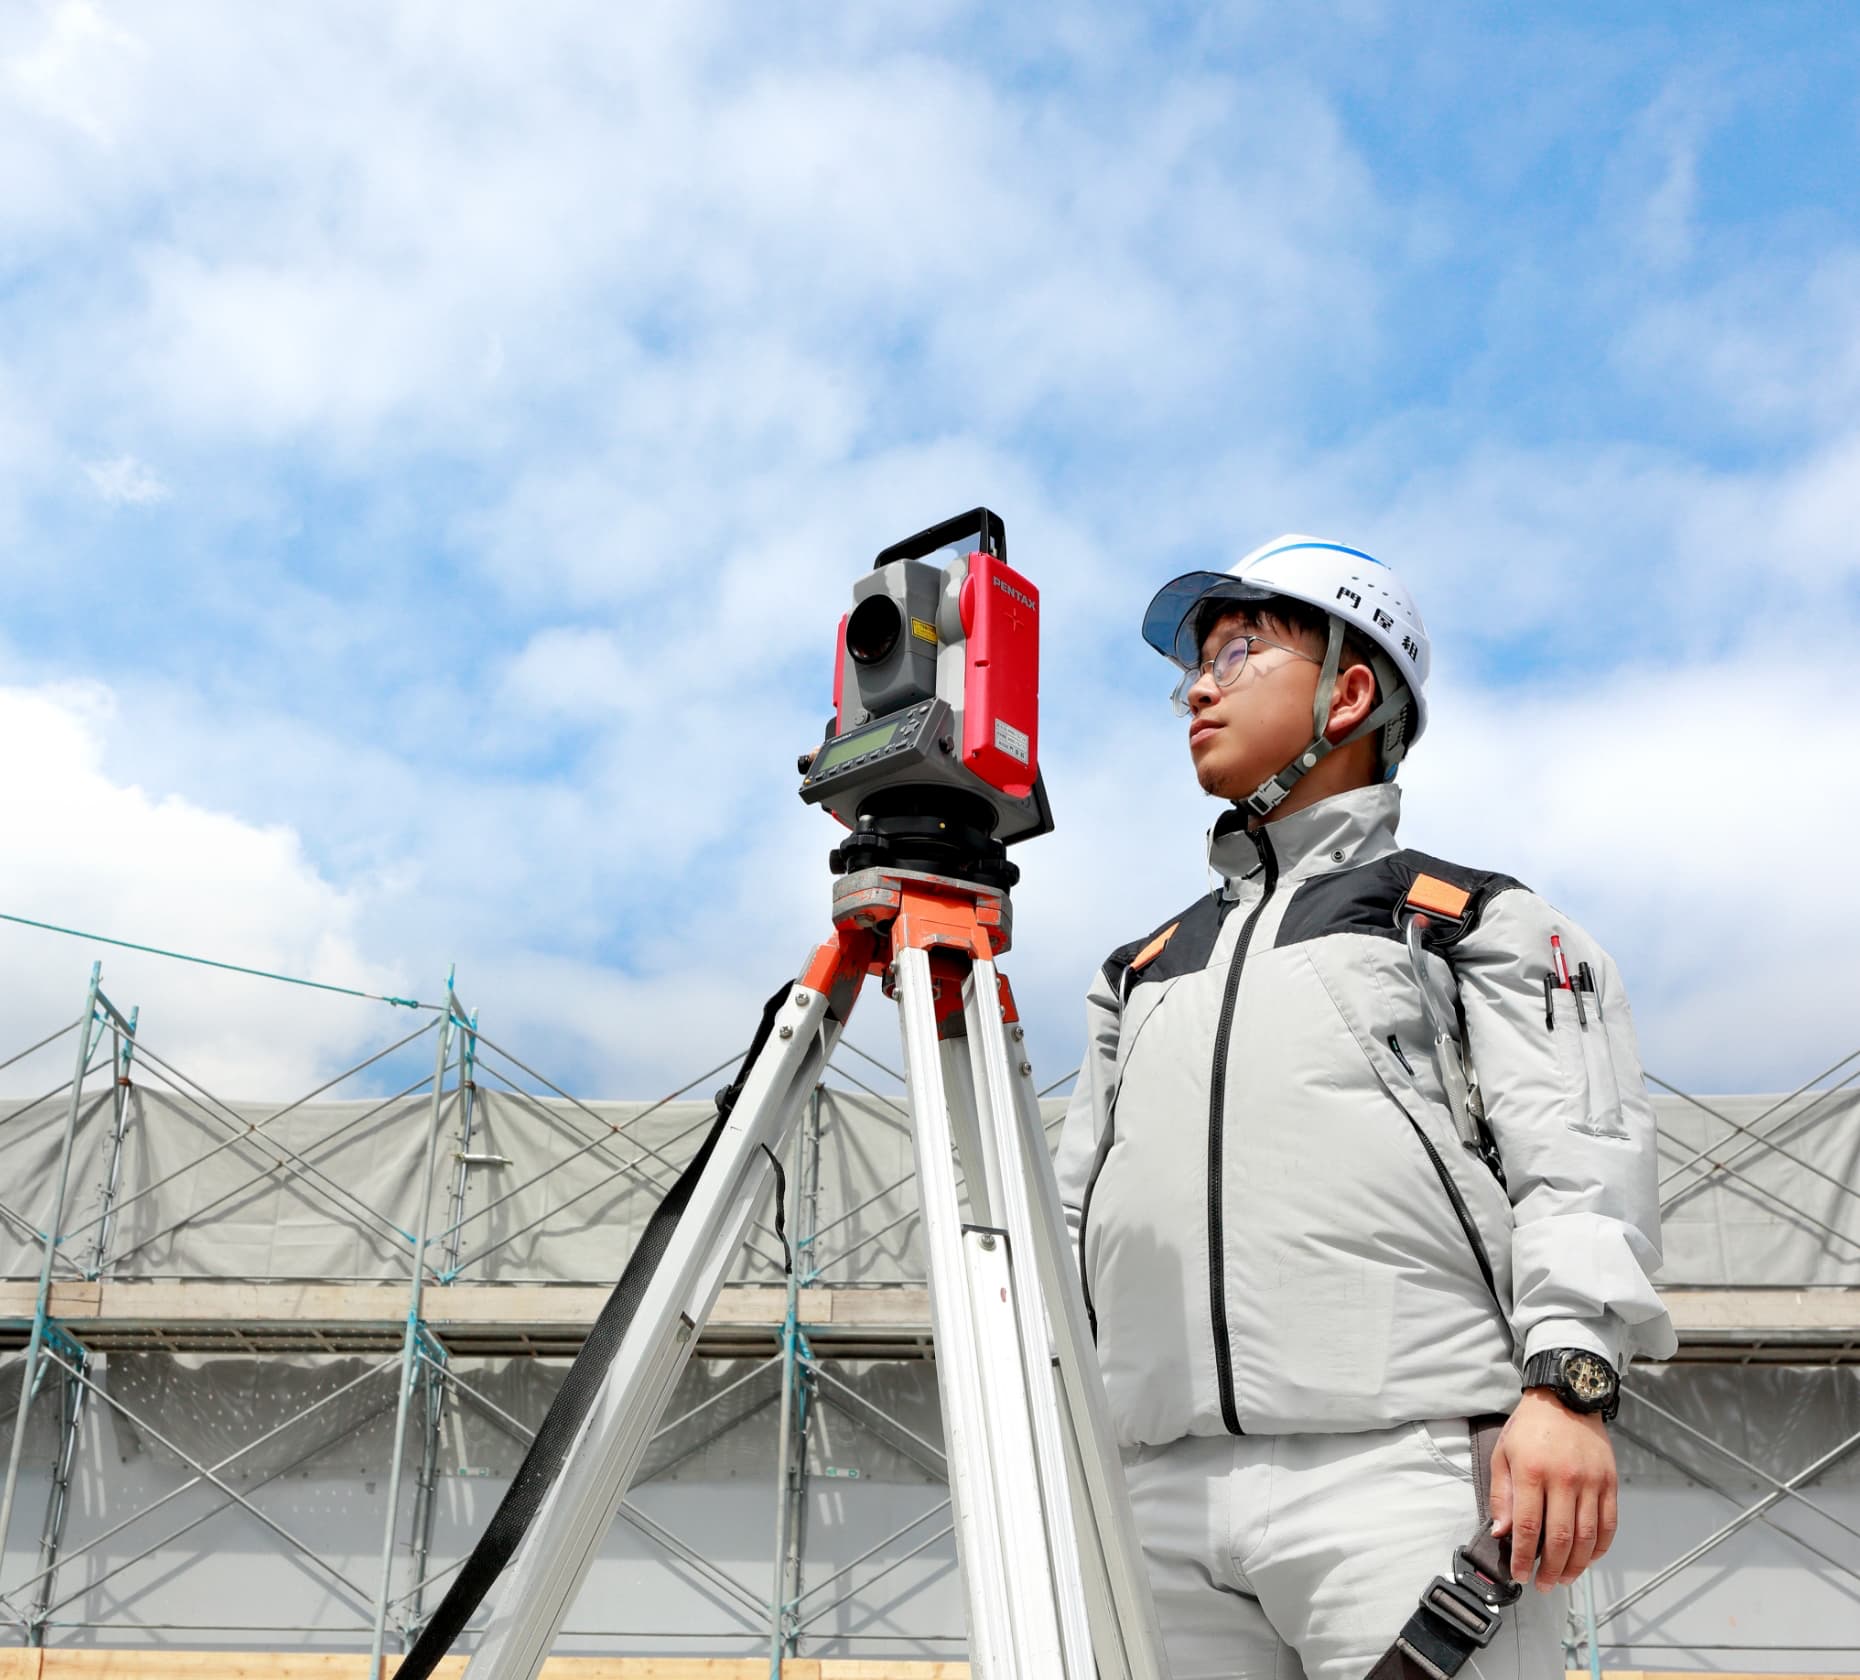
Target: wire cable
{"type": "Point", "coordinates": [231, 968]}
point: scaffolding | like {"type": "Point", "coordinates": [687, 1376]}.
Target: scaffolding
{"type": "Point", "coordinates": [416, 1265]}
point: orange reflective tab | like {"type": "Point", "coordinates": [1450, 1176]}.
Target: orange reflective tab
{"type": "Point", "coordinates": [1437, 897]}
{"type": "Point", "coordinates": [1153, 950]}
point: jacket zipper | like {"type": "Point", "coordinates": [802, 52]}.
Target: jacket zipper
{"type": "Point", "coordinates": [1217, 1115]}
{"type": "Point", "coordinates": [1460, 1210]}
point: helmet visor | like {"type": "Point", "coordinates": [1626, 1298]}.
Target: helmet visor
{"type": "Point", "coordinates": [1169, 623]}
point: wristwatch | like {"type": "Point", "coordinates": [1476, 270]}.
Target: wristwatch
{"type": "Point", "coordinates": [1583, 1381]}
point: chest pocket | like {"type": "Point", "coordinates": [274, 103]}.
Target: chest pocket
{"type": "Point", "coordinates": [1378, 1002]}
{"type": "Point", "coordinates": [1374, 991]}
{"type": "Point", "coordinates": [1584, 1044]}
{"type": "Point", "coordinates": [1140, 1009]}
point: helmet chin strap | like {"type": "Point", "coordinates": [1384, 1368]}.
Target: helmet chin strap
{"type": "Point", "coordinates": [1267, 797]}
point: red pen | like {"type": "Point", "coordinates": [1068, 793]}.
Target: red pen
{"type": "Point", "coordinates": [1563, 979]}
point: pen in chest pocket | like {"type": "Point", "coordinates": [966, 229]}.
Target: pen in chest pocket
{"type": "Point", "coordinates": [1564, 982]}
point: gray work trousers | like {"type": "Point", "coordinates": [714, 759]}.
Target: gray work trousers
{"type": "Point", "coordinates": [1299, 1557]}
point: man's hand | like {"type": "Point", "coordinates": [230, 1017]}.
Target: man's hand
{"type": "Point", "coordinates": [1553, 1477]}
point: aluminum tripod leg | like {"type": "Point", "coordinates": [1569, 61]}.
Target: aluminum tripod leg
{"type": "Point", "coordinates": [1051, 1565]}
{"type": "Point", "coordinates": [1126, 1637]}
{"type": "Point", "coordinates": [1094, 1563]}
{"type": "Point", "coordinates": [995, 1486]}
{"type": "Point", "coordinates": [535, 1594]}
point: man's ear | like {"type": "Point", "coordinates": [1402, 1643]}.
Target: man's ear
{"type": "Point", "coordinates": [1352, 700]}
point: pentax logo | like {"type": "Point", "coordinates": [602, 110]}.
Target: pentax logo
{"type": "Point", "coordinates": [1008, 589]}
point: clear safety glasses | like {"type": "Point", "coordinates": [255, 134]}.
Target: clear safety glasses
{"type": "Point", "coordinates": [1225, 667]}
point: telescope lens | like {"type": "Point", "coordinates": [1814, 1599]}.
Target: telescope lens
{"type": "Point", "coordinates": [872, 629]}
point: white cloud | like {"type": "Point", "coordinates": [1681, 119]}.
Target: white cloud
{"type": "Point", "coordinates": [1692, 819]}
{"type": "Point", "coordinates": [578, 674]}
{"type": "Point", "coordinates": [127, 480]}
{"type": "Point", "coordinates": [73, 71]}
{"type": "Point", "coordinates": [1652, 187]}
{"type": "Point", "coordinates": [658, 325]}
{"type": "Point", "coordinates": [727, 239]}
{"type": "Point", "coordinates": [106, 857]}
{"type": "Point", "coordinates": [1772, 346]}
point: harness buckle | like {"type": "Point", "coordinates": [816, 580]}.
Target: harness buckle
{"type": "Point", "coordinates": [1491, 1591]}
{"type": "Point", "coordinates": [1463, 1610]}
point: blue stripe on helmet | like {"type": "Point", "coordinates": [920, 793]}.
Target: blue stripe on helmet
{"type": "Point", "coordinates": [1331, 547]}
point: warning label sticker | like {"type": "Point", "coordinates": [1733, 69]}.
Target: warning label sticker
{"type": "Point", "coordinates": [1011, 741]}
{"type": "Point", "coordinates": [924, 630]}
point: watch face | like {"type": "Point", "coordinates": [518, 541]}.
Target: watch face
{"type": "Point", "coordinates": [1589, 1378]}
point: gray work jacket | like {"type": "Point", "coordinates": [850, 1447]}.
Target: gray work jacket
{"type": "Point", "coordinates": [1277, 1224]}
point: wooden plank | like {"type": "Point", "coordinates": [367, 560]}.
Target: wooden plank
{"type": "Point", "coordinates": [75, 1300]}
{"type": "Point", "coordinates": [1832, 1311]}
{"type": "Point", "coordinates": [897, 1305]}
{"type": "Point", "coordinates": [853, 1668]}
{"type": "Point", "coordinates": [63, 1664]}
{"type": "Point", "coordinates": [330, 1665]}
{"type": "Point", "coordinates": [566, 1306]}
{"type": "Point", "coordinates": [69, 1664]}
{"type": "Point", "coordinates": [285, 1304]}
{"type": "Point", "coordinates": [754, 1303]}
{"type": "Point", "coordinates": [282, 1303]}
{"type": "Point", "coordinates": [1821, 1322]}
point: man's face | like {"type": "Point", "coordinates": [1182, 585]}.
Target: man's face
{"type": "Point", "coordinates": [1239, 736]}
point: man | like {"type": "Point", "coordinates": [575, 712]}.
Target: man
{"type": "Point", "coordinates": [1360, 1149]}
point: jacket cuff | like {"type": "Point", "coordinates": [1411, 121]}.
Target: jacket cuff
{"type": "Point", "coordinates": [1598, 1336]}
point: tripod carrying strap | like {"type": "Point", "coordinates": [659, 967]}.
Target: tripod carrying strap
{"type": "Point", "coordinates": [1459, 1616]}
{"type": "Point", "coordinates": [568, 1411]}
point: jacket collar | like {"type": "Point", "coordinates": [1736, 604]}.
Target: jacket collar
{"type": "Point", "coordinates": [1335, 833]}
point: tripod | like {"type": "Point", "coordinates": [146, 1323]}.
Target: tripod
{"type": "Point", "coordinates": [1053, 1575]}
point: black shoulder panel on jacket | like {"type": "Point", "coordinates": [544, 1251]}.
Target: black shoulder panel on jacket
{"type": "Point", "coordinates": [1363, 900]}
{"type": "Point", "coordinates": [1188, 948]}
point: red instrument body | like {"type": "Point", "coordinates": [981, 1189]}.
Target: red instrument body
{"type": "Point", "coordinates": [1001, 681]}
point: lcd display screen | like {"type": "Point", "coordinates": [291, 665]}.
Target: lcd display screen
{"type": "Point", "coordinates": [846, 747]}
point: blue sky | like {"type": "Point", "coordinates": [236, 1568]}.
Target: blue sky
{"type": "Point", "coordinates": [435, 444]}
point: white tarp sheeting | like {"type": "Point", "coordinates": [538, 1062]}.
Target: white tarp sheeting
{"type": "Point", "coordinates": [331, 1191]}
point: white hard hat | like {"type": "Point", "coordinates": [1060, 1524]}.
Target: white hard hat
{"type": "Point", "coordinates": [1355, 590]}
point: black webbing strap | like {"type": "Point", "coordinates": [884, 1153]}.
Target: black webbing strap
{"type": "Point", "coordinates": [1459, 1616]}
{"type": "Point", "coordinates": [562, 1422]}
{"type": "Point", "coordinates": [781, 1217]}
